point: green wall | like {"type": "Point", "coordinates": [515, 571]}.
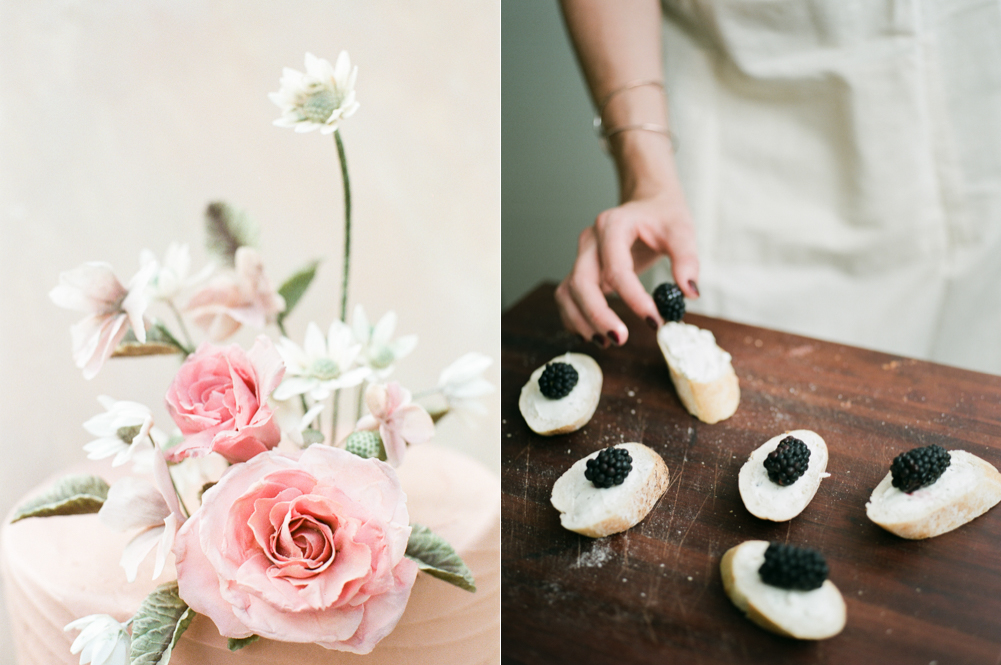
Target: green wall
{"type": "Point", "coordinates": [555, 176]}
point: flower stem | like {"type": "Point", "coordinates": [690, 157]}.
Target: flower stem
{"type": "Point", "coordinates": [180, 499]}
{"type": "Point", "coordinates": [334, 418]}
{"type": "Point", "coordinates": [346, 181]}
{"type": "Point", "coordinates": [180, 324]}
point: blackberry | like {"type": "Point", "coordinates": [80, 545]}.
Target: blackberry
{"type": "Point", "coordinates": [610, 467]}
{"type": "Point", "coordinates": [788, 461]}
{"type": "Point", "coordinates": [791, 567]}
{"type": "Point", "coordinates": [670, 301]}
{"type": "Point", "coordinates": [557, 380]}
{"type": "Point", "coordinates": [919, 467]}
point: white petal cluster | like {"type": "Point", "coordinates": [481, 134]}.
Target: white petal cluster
{"type": "Point", "coordinates": [322, 365]}
{"type": "Point", "coordinates": [171, 277]}
{"type": "Point", "coordinates": [124, 431]}
{"type": "Point", "coordinates": [135, 503]}
{"type": "Point", "coordinates": [379, 350]}
{"type": "Point", "coordinates": [319, 98]}
{"type": "Point", "coordinates": [102, 640]}
{"type": "Point", "coordinates": [110, 309]}
{"type": "Point", "coordinates": [462, 384]}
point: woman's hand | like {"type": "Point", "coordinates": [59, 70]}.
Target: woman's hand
{"type": "Point", "coordinates": [623, 242]}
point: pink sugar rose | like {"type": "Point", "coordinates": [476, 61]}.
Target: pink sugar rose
{"type": "Point", "coordinates": [219, 400]}
{"type": "Point", "coordinates": [307, 550]}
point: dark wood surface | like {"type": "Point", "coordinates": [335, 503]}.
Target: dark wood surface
{"type": "Point", "coordinates": [653, 594]}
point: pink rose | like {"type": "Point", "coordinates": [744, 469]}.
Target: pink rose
{"type": "Point", "coordinates": [219, 399]}
{"type": "Point", "coordinates": [307, 550]}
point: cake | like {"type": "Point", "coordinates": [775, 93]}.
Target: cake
{"type": "Point", "coordinates": [58, 569]}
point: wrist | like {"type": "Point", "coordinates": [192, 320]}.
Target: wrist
{"type": "Point", "coordinates": [644, 162]}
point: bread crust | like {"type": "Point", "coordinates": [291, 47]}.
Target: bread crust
{"type": "Point", "coordinates": [974, 499]}
{"type": "Point", "coordinates": [711, 401]}
{"type": "Point", "coordinates": [578, 412]}
{"type": "Point", "coordinates": [834, 609]}
{"type": "Point", "coordinates": [627, 512]}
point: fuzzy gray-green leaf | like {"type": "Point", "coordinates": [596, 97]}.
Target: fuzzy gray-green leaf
{"type": "Point", "coordinates": [436, 557]}
{"type": "Point", "coordinates": [235, 644]}
{"type": "Point", "coordinates": [72, 495]}
{"type": "Point", "coordinates": [157, 626]}
{"type": "Point", "coordinates": [295, 286]}
{"type": "Point", "coordinates": [227, 230]}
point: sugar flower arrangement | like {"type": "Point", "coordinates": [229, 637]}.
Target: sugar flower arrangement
{"type": "Point", "coordinates": [278, 528]}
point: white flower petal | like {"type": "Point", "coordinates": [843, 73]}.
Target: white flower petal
{"type": "Point", "coordinates": [383, 330]}
{"type": "Point", "coordinates": [138, 548]}
{"type": "Point", "coordinates": [293, 386]}
{"type": "Point", "coordinates": [466, 368]}
{"type": "Point", "coordinates": [133, 503]}
{"type": "Point", "coordinates": [403, 346]}
{"type": "Point", "coordinates": [171, 524]}
{"type": "Point", "coordinates": [314, 345]}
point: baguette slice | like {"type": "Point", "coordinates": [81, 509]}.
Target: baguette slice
{"type": "Point", "coordinates": [700, 370]}
{"type": "Point", "coordinates": [550, 417]}
{"type": "Point", "coordinates": [598, 512]}
{"type": "Point", "coordinates": [967, 489]}
{"type": "Point", "coordinates": [771, 501]}
{"type": "Point", "coordinates": [804, 615]}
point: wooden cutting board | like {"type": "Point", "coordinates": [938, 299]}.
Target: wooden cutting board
{"type": "Point", "coordinates": [653, 594]}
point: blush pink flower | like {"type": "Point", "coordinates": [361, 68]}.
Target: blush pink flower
{"type": "Point", "coordinates": [93, 288]}
{"type": "Point", "coordinates": [398, 420]}
{"type": "Point", "coordinates": [243, 296]}
{"type": "Point", "coordinates": [307, 550]}
{"type": "Point", "coordinates": [219, 400]}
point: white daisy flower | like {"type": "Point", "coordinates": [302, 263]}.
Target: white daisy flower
{"type": "Point", "coordinates": [124, 431]}
{"type": "Point", "coordinates": [462, 382]}
{"type": "Point", "coordinates": [318, 99]}
{"type": "Point", "coordinates": [102, 640]}
{"type": "Point", "coordinates": [379, 350]}
{"type": "Point", "coordinates": [320, 366]}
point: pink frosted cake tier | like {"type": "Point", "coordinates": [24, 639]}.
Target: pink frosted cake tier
{"type": "Point", "coordinates": [58, 569]}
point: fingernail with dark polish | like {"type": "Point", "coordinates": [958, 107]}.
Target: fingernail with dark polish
{"type": "Point", "coordinates": [694, 286]}
{"type": "Point", "coordinates": [599, 340]}
{"type": "Point", "coordinates": [614, 337]}
{"type": "Point", "coordinates": [650, 321]}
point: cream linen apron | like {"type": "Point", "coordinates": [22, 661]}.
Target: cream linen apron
{"type": "Point", "coordinates": [842, 160]}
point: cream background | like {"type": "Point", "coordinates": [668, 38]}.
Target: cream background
{"type": "Point", "coordinates": [120, 120]}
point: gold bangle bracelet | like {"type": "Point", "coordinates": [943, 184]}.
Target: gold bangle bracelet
{"type": "Point", "coordinates": [643, 127]}
{"type": "Point", "coordinates": [623, 88]}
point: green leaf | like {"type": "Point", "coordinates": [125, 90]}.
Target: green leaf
{"type": "Point", "coordinates": [227, 230]}
{"type": "Point", "coordinates": [72, 495]}
{"type": "Point", "coordinates": [436, 557]}
{"type": "Point", "coordinates": [295, 286]}
{"type": "Point", "coordinates": [235, 644]}
{"type": "Point", "coordinates": [158, 625]}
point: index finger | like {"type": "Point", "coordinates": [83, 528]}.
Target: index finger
{"type": "Point", "coordinates": [619, 273]}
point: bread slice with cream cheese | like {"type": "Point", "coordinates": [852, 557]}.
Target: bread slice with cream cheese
{"type": "Point", "coordinates": [968, 488]}
{"type": "Point", "coordinates": [601, 511]}
{"type": "Point", "coordinates": [700, 370]}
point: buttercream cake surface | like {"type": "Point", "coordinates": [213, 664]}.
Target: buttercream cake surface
{"type": "Point", "coordinates": [58, 569]}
